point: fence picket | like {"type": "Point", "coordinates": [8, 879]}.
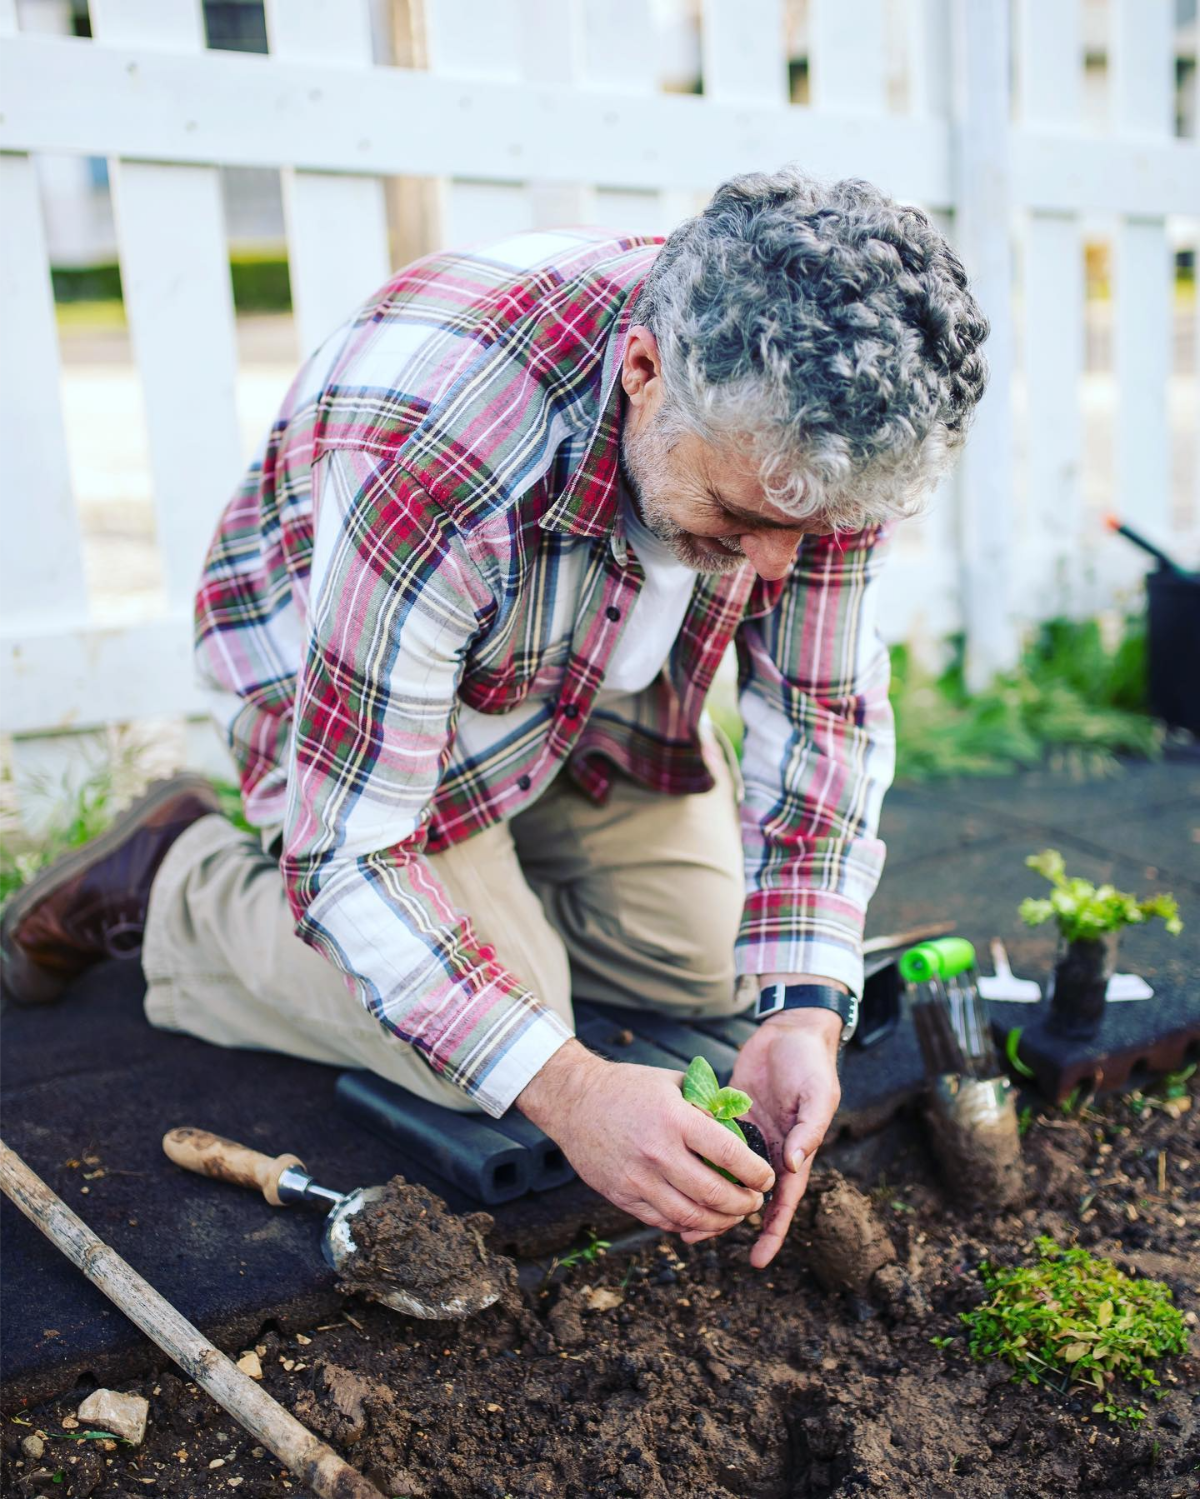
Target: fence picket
{"type": "Point", "coordinates": [1050, 71]}
{"type": "Point", "coordinates": [42, 583]}
{"type": "Point", "coordinates": [337, 226]}
{"type": "Point", "coordinates": [1141, 110]}
{"type": "Point", "coordinates": [982, 196]}
{"type": "Point", "coordinates": [179, 302]}
{"type": "Point", "coordinates": [467, 40]}
{"type": "Point", "coordinates": [847, 63]}
{"type": "Point", "coordinates": [743, 56]}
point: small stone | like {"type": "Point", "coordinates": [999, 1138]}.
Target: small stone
{"type": "Point", "coordinates": [126, 1415]}
{"type": "Point", "coordinates": [288, 1363]}
{"type": "Point", "coordinates": [258, 1452]}
{"type": "Point", "coordinates": [251, 1364]}
{"type": "Point", "coordinates": [217, 1462]}
{"type": "Point", "coordinates": [491, 1406]}
{"type": "Point", "coordinates": [302, 1340]}
{"type": "Point", "coordinates": [602, 1298]}
{"type": "Point", "coordinates": [33, 1447]}
{"type": "Point", "coordinates": [233, 1482]}
{"type": "Point", "coordinates": [70, 1424]}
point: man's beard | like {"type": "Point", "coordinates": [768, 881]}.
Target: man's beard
{"type": "Point", "coordinates": [646, 470]}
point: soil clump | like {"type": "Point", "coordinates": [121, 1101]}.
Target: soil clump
{"type": "Point", "coordinates": [405, 1240]}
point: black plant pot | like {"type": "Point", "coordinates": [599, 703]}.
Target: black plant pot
{"type": "Point", "coordinates": [1081, 977]}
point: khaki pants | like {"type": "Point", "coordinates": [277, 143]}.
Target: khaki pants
{"type": "Point", "coordinates": [633, 903]}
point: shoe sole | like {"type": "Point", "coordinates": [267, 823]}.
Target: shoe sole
{"type": "Point", "coordinates": [23, 981]}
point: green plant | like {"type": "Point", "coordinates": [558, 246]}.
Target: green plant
{"type": "Point", "coordinates": [1071, 697]}
{"type": "Point", "coordinates": [1071, 1318]}
{"type": "Point", "coordinates": [1085, 912]}
{"type": "Point", "coordinates": [588, 1254]}
{"type": "Point", "coordinates": [726, 1105]}
{"type": "Point", "coordinates": [80, 814]}
{"type": "Point", "coordinates": [1012, 1042]}
{"type": "Point", "coordinates": [941, 1342]}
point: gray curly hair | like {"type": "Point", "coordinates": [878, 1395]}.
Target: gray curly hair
{"type": "Point", "coordinates": [827, 327]}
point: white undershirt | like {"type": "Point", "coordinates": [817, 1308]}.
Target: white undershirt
{"type": "Point", "coordinates": [658, 613]}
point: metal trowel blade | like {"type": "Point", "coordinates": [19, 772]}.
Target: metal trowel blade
{"type": "Point", "coordinates": [337, 1244]}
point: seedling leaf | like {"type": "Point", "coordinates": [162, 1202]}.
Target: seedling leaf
{"type": "Point", "coordinates": [1011, 1042]}
{"type": "Point", "coordinates": [730, 1103]}
{"type": "Point", "coordinates": [700, 1084]}
{"type": "Point", "coordinates": [724, 1105]}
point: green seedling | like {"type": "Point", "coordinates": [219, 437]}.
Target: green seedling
{"type": "Point", "coordinates": [1074, 1319]}
{"type": "Point", "coordinates": [586, 1254]}
{"type": "Point", "coordinates": [1012, 1042]}
{"type": "Point", "coordinates": [726, 1105]}
{"type": "Point", "coordinates": [1085, 912]}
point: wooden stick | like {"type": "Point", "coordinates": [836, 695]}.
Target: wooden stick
{"type": "Point", "coordinates": [309, 1459]}
{"type": "Point", "coordinates": [906, 939]}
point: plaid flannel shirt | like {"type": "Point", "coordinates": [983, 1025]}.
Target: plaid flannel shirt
{"type": "Point", "coordinates": [407, 612]}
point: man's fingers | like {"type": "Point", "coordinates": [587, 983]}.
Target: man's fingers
{"type": "Point", "coordinates": [709, 1189]}
{"type": "Point", "coordinates": [721, 1146]}
{"type": "Point", "coordinates": [686, 1216]}
{"type": "Point", "coordinates": [799, 1150]}
{"type": "Point", "coordinates": [806, 1135]}
{"type": "Point", "coordinates": [777, 1218]}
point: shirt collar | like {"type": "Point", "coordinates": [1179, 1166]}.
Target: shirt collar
{"type": "Point", "coordinates": [590, 501]}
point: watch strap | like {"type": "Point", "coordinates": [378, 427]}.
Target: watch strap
{"type": "Point", "coordinates": [776, 998]}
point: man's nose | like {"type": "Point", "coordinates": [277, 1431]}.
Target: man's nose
{"type": "Point", "coordinates": [770, 553]}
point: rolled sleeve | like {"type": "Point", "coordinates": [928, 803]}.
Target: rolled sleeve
{"type": "Point", "coordinates": [394, 605]}
{"type": "Point", "coordinates": [819, 754]}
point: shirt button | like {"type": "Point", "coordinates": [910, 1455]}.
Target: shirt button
{"type": "Point", "coordinates": [613, 613]}
{"type": "Point", "coordinates": [523, 783]}
{"type": "Point", "coordinates": [570, 711]}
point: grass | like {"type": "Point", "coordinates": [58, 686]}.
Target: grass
{"type": "Point", "coordinates": [1072, 700]}
{"type": "Point", "coordinates": [1071, 1319]}
{"type": "Point", "coordinates": [79, 814]}
{"type": "Point", "coordinates": [82, 809]}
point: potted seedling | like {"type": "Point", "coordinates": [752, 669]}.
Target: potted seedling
{"type": "Point", "coordinates": [1090, 919]}
{"type": "Point", "coordinates": [728, 1106]}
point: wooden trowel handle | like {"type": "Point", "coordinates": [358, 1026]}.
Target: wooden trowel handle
{"type": "Point", "coordinates": [225, 1160]}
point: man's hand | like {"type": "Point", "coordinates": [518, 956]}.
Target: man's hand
{"type": "Point", "coordinates": [629, 1134]}
{"type": "Point", "coordinates": [789, 1069]}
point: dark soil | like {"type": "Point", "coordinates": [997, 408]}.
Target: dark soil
{"type": "Point", "coordinates": [406, 1242]}
{"type": "Point", "coordinates": [682, 1372]}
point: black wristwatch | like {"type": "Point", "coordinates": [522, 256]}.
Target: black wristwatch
{"type": "Point", "coordinates": [778, 997]}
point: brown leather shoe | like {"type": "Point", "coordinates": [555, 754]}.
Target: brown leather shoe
{"type": "Point", "coordinates": [91, 904]}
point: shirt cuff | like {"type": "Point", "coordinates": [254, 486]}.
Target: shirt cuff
{"type": "Point", "coordinates": [496, 1084]}
{"type": "Point", "coordinates": [822, 957]}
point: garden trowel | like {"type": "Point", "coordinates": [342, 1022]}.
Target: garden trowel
{"type": "Point", "coordinates": [283, 1179]}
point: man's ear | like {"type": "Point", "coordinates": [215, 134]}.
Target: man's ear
{"type": "Point", "coordinates": [641, 370]}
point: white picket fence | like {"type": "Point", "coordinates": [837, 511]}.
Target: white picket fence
{"type": "Point", "coordinates": [540, 111]}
